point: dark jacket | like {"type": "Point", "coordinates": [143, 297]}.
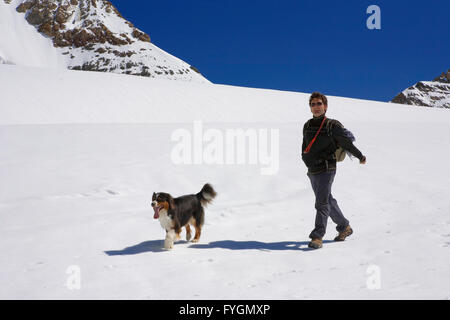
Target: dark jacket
{"type": "Point", "coordinates": [321, 156]}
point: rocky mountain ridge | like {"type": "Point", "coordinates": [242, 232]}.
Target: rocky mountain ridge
{"type": "Point", "coordinates": [92, 35]}
{"type": "Point", "coordinates": [434, 93]}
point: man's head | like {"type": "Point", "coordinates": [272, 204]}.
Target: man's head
{"type": "Point", "coordinates": [318, 104]}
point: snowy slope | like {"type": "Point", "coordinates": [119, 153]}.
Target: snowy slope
{"type": "Point", "coordinates": [77, 173]}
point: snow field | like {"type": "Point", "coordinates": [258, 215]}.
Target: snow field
{"type": "Point", "coordinates": [77, 176]}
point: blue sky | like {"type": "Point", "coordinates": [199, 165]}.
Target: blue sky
{"type": "Point", "coordinates": [300, 45]}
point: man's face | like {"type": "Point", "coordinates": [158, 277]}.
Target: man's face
{"type": "Point", "coordinates": [317, 107]}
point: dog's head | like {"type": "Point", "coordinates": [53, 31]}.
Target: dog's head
{"type": "Point", "coordinates": [161, 201]}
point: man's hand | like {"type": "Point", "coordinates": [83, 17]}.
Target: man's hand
{"type": "Point", "coordinates": [363, 160]}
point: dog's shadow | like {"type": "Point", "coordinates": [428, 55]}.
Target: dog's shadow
{"type": "Point", "coordinates": [146, 246]}
{"type": "Point", "coordinates": [256, 245]}
{"type": "Point", "coordinates": [158, 246]}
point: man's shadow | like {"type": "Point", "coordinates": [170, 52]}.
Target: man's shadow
{"type": "Point", "coordinates": [256, 245]}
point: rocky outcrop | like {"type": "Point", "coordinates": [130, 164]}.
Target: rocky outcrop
{"type": "Point", "coordinates": [93, 35]}
{"type": "Point", "coordinates": [434, 93]}
{"type": "Point", "coordinates": [52, 18]}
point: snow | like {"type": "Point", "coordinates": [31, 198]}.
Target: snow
{"type": "Point", "coordinates": [20, 43]}
{"type": "Point", "coordinates": [82, 153]}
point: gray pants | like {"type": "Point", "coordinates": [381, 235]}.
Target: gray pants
{"type": "Point", "coordinates": [325, 205]}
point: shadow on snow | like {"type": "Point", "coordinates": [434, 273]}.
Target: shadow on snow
{"type": "Point", "coordinates": [158, 246]}
{"type": "Point", "coordinates": [146, 246]}
{"type": "Point", "coordinates": [256, 245]}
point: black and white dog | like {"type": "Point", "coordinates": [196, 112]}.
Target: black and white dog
{"type": "Point", "coordinates": [176, 213]}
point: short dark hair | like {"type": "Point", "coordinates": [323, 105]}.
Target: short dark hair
{"type": "Point", "coordinates": [318, 95]}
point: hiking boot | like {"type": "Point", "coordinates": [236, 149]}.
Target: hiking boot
{"type": "Point", "coordinates": [344, 234]}
{"type": "Point", "coordinates": [315, 243]}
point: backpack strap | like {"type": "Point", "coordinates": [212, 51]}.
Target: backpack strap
{"type": "Point", "coordinates": [329, 127]}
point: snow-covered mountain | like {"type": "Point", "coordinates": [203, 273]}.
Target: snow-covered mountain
{"type": "Point", "coordinates": [434, 93]}
{"type": "Point", "coordinates": [77, 173]}
{"type": "Point", "coordinates": [83, 35]}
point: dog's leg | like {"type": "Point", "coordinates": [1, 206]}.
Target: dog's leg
{"type": "Point", "coordinates": [178, 237]}
{"type": "Point", "coordinates": [198, 231]}
{"type": "Point", "coordinates": [188, 233]}
{"type": "Point", "coordinates": [170, 237]}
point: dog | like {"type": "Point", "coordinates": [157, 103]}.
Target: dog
{"type": "Point", "coordinates": [184, 211]}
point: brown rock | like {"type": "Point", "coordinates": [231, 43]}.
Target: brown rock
{"type": "Point", "coordinates": [81, 38]}
{"type": "Point", "coordinates": [100, 50]}
{"type": "Point", "coordinates": [35, 17]}
{"type": "Point", "coordinates": [400, 98]}
{"type": "Point", "coordinates": [61, 15]}
{"type": "Point", "coordinates": [115, 11]}
{"type": "Point", "coordinates": [59, 41]}
{"type": "Point", "coordinates": [141, 36]}
{"type": "Point", "coordinates": [25, 6]}
{"type": "Point", "coordinates": [194, 68]}
{"type": "Point", "coordinates": [47, 29]}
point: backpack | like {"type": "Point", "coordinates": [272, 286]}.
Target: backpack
{"type": "Point", "coordinates": [340, 152]}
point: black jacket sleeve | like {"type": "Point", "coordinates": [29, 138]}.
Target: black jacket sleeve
{"type": "Point", "coordinates": [304, 139]}
{"type": "Point", "coordinates": [343, 141]}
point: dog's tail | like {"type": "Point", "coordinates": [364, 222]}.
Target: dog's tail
{"type": "Point", "coordinates": [207, 194]}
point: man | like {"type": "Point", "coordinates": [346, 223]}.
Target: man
{"type": "Point", "coordinates": [321, 138]}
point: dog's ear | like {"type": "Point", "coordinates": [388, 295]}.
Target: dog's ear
{"type": "Point", "coordinates": [153, 195]}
